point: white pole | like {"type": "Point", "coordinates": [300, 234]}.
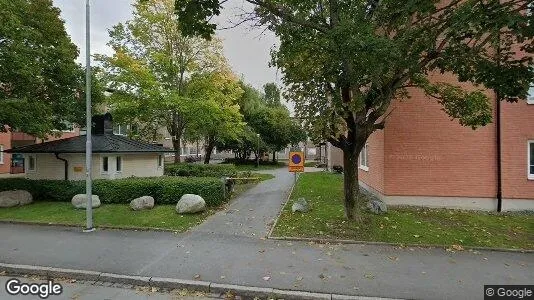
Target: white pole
{"type": "Point", "coordinates": [88, 144]}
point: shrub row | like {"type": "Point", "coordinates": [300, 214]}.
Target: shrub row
{"type": "Point", "coordinates": [201, 170]}
{"type": "Point", "coordinates": [165, 190]}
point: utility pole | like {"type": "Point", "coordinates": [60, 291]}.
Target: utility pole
{"type": "Point", "coordinates": [88, 121]}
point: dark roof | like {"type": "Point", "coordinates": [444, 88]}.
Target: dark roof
{"type": "Point", "coordinates": [102, 143]}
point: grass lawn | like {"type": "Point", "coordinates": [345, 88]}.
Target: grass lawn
{"type": "Point", "coordinates": [115, 215]}
{"type": "Point", "coordinates": [253, 168]}
{"type": "Point", "coordinates": [404, 225]}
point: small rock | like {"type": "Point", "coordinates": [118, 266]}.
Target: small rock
{"type": "Point", "coordinates": [15, 198]}
{"type": "Point", "coordinates": [190, 204]}
{"type": "Point", "coordinates": [80, 201]}
{"type": "Point", "coordinates": [377, 206]}
{"type": "Point", "coordinates": [301, 205]}
{"type": "Point", "coordinates": [142, 203]}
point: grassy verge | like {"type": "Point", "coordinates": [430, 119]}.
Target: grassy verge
{"type": "Point", "coordinates": [112, 215]}
{"type": "Point", "coordinates": [404, 225]}
{"type": "Point", "coordinates": [116, 215]}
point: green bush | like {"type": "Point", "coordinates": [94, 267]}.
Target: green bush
{"type": "Point", "coordinates": [165, 190]}
{"type": "Point", "coordinates": [201, 170]}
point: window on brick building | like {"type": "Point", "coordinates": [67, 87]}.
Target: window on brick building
{"type": "Point", "coordinates": [364, 158]}
{"type": "Point", "coordinates": [531, 160]}
{"type": "Point", "coordinates": [1, 154]}
{"type": "Point", "coordinates": [530, 96]}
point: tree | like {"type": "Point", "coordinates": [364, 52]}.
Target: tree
{"type": "Point", "coordinates": [345, 61]}
{"type": "Point", "coordinates": [151, 67]}
{"type": "Point", "coordinates": [218, 118]}
{"type": "Point", "coordinates": [41, 86]}
{"type": "Point", "coordinates": [272, 94]}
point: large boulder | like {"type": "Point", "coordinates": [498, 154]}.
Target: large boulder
{"type": "Point", "coordinates": [190, 204]}
{"type": "Point", "coordinates": [142, 203]}
{"type": "Point", "coordinates": [377, 206]}
{"type": "Point", "coordinates": [15, 198]}
{"type": "Point", "coordinates": [80, 201]}
{"type": "Point", "coordinates": [301, 205]}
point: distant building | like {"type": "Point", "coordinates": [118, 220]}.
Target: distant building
{"type": "Point", "coordinates": [114, 156]}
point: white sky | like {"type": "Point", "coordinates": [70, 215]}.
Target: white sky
{"type": "Point", "coordinates": [247, 50]}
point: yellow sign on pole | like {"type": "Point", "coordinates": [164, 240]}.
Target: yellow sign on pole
{"type": "Point", "coordinates": [296, 162]}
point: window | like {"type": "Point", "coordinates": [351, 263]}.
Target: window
{"type": "Point", "coordinates": [119, 164]}
{"type": "Point", "coordinates": [531, 160]}
{"type": "Point", "coordinates": [121, 129]}
{"type": "Point", "coordinates": [530, 95]}
{"type": "Point", "coordinates": [105, 164]}
{"type": "Point", "coordinates": [364, 158]}
{"type": "Point", "coordinates": [31, 163]}
{"type": "Point", "coordinates": [1, 154]}
{"type": "Point", "coordinates": [160, 161]}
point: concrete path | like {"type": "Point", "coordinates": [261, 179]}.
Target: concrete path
{"type": "Point", "coordinates": [239, 255]}
{"type": "Point", "coordinates": [253, 212]}
{"type": "Point", "coordinates": [99, 290]}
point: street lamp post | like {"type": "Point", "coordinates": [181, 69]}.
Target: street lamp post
{"type": "Point", "coordinates": [88, 121]}
{"type": "Point", "coordinates": [258, 149]}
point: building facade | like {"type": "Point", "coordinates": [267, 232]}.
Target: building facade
{"type": "Point", "coordinates": [424, 158]}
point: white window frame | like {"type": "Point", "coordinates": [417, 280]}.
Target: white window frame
{"type": "Point", "coordinates": [530, 97]}
{"type": "Point", "coordinates": [530, 176]}
{"type": "Point", "coordinates": [120, 128]}
{"type": "Point", "coordinates": [364, 154]}
{"type": "Point", "coordinates": [30, 156]}
{"type": "Point", "coordinates": [117, 159]}
{"type": "Point", "coordinates": [102, 171]}
{"type": "Point", "coordinates": [1, 154]}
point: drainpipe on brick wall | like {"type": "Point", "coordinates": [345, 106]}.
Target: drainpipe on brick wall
{"type": "Point", "coordinates": [499, 155]}
{"type": "Point", "coordinates": [66, 165]}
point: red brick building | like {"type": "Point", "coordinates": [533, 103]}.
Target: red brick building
{"type": "Point", "coordinates": [422, 157]}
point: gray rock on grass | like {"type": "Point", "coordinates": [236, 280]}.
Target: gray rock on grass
{"type": "Point", "coordinates": [80, 201]}
{"type": "Point", "coordinates": [377, 206]}
{"type": "Point", "coordinates": [301, 205]}
{"type": "Point", "coordinates": [190, 204]}
{"type": "Point", "coordinates": [15, 198]}
{"type": "Point", "coordinates": [142, 203]}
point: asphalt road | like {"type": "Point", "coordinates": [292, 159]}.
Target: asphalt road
{"type": "Point", "coordinates": [230, 248]}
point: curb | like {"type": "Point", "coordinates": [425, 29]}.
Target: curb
{"type": "Point", "coordinates": [97, 227]}
{"type": "Point", "coordinates": [171, 283]}
{"type": "Point", "coordinates": [269, 234]}
{"type": "Point", "coordinates": [340, 241]}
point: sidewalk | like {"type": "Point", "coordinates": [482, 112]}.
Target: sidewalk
{"type": "Point", "coordinates": [223, 251]}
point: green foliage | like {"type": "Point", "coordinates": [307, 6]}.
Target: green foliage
{"type": "Point", "coordinates": [344, 62]}
{"type": "Point", "coordinates": [151, 70]}
{"type": "Point", "coordinates": [165, 190]}
{"type": "Point", "coordinates": [41, 86]}
{"type": "Point", "coordinates": [200, 170]}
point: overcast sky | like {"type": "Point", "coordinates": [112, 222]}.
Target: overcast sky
{"type": "Point", "coordinates": [246, 49]}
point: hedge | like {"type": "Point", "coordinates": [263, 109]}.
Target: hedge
{"type": "Point", "coordinates": [165, 190]}
{"type": "Point", "coordinates": [201, 170]}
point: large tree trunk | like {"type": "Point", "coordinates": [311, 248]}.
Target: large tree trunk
{"type": "Point", "coordinates": [274, 156]}
{"type": "Point", "coordinates": [209, 149]}
{"type": "Point", "coordinates": [177, 149]}
{"type": "Point", "coordinates": [351, 186]}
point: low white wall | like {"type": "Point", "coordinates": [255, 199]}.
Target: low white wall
{"type": "Point", "coordinates": [133, 165]}
{"type": "Point", "coordinates": [486, 204]}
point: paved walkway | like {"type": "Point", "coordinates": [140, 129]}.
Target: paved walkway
{"type": "Point", "coordinates": [223, 251]}
{"type": "Point", "coordinates": [99, 290]}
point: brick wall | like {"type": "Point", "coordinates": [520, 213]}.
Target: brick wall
{"type": "Point", "coordinates": [428, 154]}
{"type": "Point", "coordinates": [374, 177]}
{"type": "Point", "coordinates": [5, 141]}
{"type": "Point", "coordinates": [517, 129]}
